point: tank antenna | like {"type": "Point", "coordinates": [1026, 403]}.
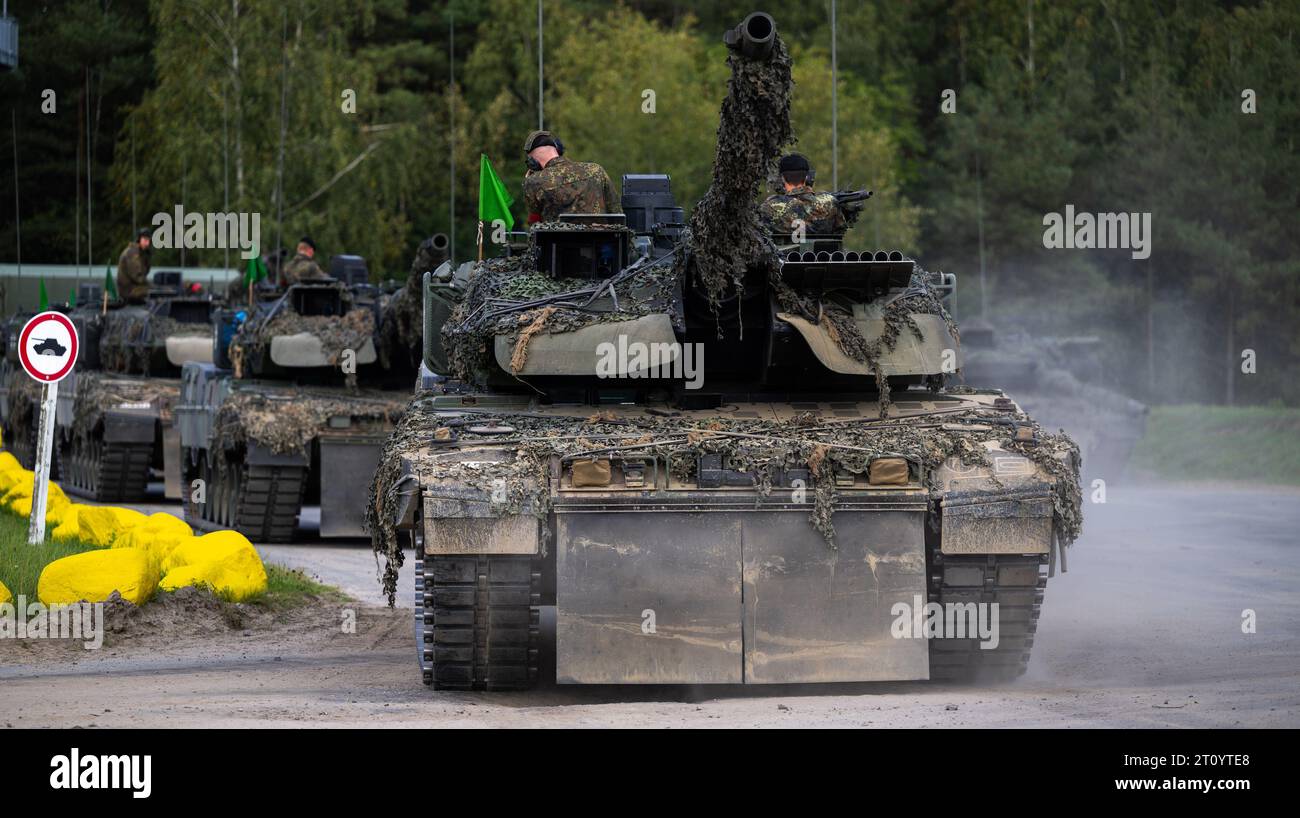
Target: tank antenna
{"type": "Point", "coordinates": [451, 146]}
{"type": "Point", "coordinates": [540, 120]}
{"type": "Point", "coordinates": [18, 219]}
{"type": "Point", "coordinates": [835, 104]}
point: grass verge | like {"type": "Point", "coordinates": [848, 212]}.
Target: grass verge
{"type": "Point", "coordinates": [291, 588]}
{"type": "Point", "coordinates": [1249, 444]}
{"type": "Point", "coordinates": [21, 564]}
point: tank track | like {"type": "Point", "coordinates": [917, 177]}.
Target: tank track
{"type": "Point", "coordinates": [1017, 584]}
{"type": "Point", "coordinates": [260, 502]}
{"type": "Point", "coordinates": [477, 621]}
{"type": "Point", "coordinates": [105, 472]}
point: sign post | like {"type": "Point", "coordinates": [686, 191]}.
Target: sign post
{"type": "Point", "coordinates": [47, 348]}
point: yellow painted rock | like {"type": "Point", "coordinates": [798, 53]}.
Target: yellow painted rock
{"type": "Point", "coordinates": [223, 560]}
{"type": "Point", "coordinates": [101, 525]}
{"type": "Point", "coordinates": [5, 596]}
{"type": "Point", "coordinates": [55, 500]}
{"type": "Point", "coordinates": [95, 575]}
{"type": "Point", "coordinates": [68, 528]}
{"type": "Point", "coordinates": [158, 535]}
{"type": "Point", "coordinates": [215, 546]}
{"type": "Point", "coordinates": [9, 463]}
{"type": "Point", "coordinates": [19, 489]}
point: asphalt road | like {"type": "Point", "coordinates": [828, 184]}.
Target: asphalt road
{"type": "Point", "coordinates": [1145, 630]}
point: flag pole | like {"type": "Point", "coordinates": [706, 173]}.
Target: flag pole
{"type": "Point", "coordinates": [480, 240]}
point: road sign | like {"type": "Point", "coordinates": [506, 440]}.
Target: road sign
{"type": "Point", "coordinates": [47, 348]}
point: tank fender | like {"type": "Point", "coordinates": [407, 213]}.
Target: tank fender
{"type": "Point", "coordinates": [262, 456]}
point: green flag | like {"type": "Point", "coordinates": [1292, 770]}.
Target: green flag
{"type": "Point", "coordinates": [493, 199]}
{"type": "Point", "coordinates": [45, 298]}
{"type": "Point", "coordinates": [110, 286]}
{"type": "Point", "coordinates": [255, 271]}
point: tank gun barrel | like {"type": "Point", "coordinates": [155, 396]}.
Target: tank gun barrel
{"type": "Point", "coordinates": [755, 37]}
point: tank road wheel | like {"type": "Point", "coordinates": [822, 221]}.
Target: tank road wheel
{"type": "Point", "coordinates": [105, 472]}
{"type": "Point", "coordinates": [477, 621]}
{"type": "Point", "coordinates": [1016, 584]}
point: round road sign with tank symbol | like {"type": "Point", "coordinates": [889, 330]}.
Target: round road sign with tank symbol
{"type": "Point", "coordinates": [47, 347]}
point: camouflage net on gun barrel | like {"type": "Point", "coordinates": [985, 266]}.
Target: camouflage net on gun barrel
{"type": "Point", "coordinates": [725, 238]}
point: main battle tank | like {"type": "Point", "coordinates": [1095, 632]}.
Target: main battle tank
{"type": "Point", "coordinates": [113, 420]}
{"type": "Point", "coordinates": [1059, 380]}
{"type": "Point", "coordinates": [301, 390]}
{"type": "Point", "coordinates": [720, 459]}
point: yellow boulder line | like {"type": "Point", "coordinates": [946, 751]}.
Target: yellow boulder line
{"type": "Point", "coordinates": [135, 553]}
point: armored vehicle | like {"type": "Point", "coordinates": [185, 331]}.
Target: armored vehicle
{"type": "Point", "coordinates": [157, 338]}
{"type": "Point", "coordinates": [722, 460]}
{"type": "Point", "coordinates": [281, 418]}
{"type": "Point", "coordinates": [1059, 380]}
{"type": "Point", "coordinates": [114, 419]}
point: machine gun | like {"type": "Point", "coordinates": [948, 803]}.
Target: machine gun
{"type": "Point", "coordinates": [851, 203]}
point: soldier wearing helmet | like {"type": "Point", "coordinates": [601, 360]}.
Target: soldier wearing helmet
{"type": "Point", "coordinates": [783, 213]}
{"type": "Point", "coordinates": [556, 184]}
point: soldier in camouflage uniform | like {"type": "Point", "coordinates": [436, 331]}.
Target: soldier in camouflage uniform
{"type": "Point", "coordinates": [555, 184]}
{"type": "Point", "coordinates": [303, 267]}
{"type": "Point", "coordinates": [819, 212]}
{"type": "Point", "coordinates": [133, 270]}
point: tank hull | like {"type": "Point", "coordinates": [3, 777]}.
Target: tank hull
{"type": "Point", "coordinates": [261, 450]}
{"type": "Point", "coordinates": [720, 577]}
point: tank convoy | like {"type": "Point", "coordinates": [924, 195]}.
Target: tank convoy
{"type": "Point", "coordinates": [257, 402]}
{"type": "Point", "coordinates": [113, 419]}
{"type": "Point", "coordinates": [722, 458]}
{"type": "Point", "coordinates": [301, 387]}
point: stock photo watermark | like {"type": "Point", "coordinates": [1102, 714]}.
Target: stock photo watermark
{"type": "Point", "coordinates": [80, 621]}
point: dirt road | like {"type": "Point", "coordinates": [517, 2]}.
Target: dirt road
{"type": "Point", "coordinates": [1144, 630]}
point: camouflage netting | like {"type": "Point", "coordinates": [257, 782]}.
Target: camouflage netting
{"type": "Point", "coordinates": [287, 422]}
{"type": "Point", "coordinates": [129, 337]}
{"type": "Point", "coordinates": [508, 296]}
{"type": "Point", "coordinates": [760, 447]}
{"type": "Point", "coordinates": [97, 393]}
{"type": "Point", "coordinates": [724, 236]}
{"type": "Point", "coordinates": [24, 403]}
{"type": "Point", "coordinates": [336, 333]}
{"type": "Point", "coordinates": [402, 331]}
{"type": "Point", "coordinates": [899, 310]}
